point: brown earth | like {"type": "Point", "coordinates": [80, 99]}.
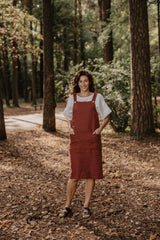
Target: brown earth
{"type": "Point", "coordinates": [34, 168]}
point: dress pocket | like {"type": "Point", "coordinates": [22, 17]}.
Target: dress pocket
{"type": "Point", "coordinates": [96, 137]}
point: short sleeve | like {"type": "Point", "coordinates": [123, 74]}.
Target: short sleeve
{"type": "Point", "coordinates": [102, 107]}
{"type": "Point", "coordinates": [69, 108]}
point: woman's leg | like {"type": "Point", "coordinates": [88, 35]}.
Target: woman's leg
{"type": "Point", "coordinates": [89, 186]}
{"type": "Point", "coordinates": [71, 188]}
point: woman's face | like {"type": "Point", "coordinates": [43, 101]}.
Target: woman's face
{"type": "Point", "coordinates": [83, 83]}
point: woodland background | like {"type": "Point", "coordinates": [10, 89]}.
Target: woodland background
{"type": "Point", "coordinates": [42, 45]}
{"type": "Point", "coordinates": [96, 35]}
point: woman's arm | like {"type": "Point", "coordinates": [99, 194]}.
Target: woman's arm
{"type": "Point", "coordinates": [71, 131]}
{"type": "Point", "coordinates": [104, 123]}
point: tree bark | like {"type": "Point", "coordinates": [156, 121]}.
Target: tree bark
{"type": "Point", "coordinates": [158, 15]}
{"type": "Point", "coordinates": [105, 11]}
{"type": "Point", "coordinates": [3, 135]}
{"type": "Point", "coordinates": [41, 64]}
{"type": "Point", "coordinates": [30, 4]}
{"type": "Point", "coordinates": [25, 58]}
{"type": "Point", "coordinates": [25, 77]}
{"type": "Point", "coordinates": [75, 34]}
{"type": "Point", "coordinates": [66, 50]}
{"type": "Point", "coordinates": [21, 80]}
{"type": "Point", "coordinates": [141, 101]}
{"type": "Point", "coordinates": [1, 74]}
{"type": "Point", "coordinates": [81, 32]}
{"type": "Point", "coordinates": [49, 89]}
{"type": "Point", "coordinates": [6, 84]}
{"type": "Point", "coordinates": [97, 16]}
{"type": "Point", "coordinates": [58, 53]}
{"type": "Point", "coordinates": [15, 67]}
{"type": "Point", "coordinates": [15, 75]}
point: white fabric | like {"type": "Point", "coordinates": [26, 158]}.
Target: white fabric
{"type": "Point", "coordinates": [102, 108]}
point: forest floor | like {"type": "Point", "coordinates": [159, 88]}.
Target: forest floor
{"type": "Point", "coordinates": [34, 169]}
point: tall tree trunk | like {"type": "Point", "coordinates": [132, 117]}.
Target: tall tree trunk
{"type": "Point", "coordinates": [34, 101]}
{"type": "Point", "coordinates": [105, 11]}
{"type": "Point", "coordinates": [25, 76]}
{"type": "Point", "coordinates": [49, 89]}
{"type": "Point", "coordinates": [7, 89]}
{"type": "Point", "coordinates": [66, 50]}
{"type": "Point", "coordinates": [21, 81]}
{"type": "Point", "coordinates": [41, 64]}
{"type": "Point", "coordinates": [81, 31]}
{"type": "Point", "coordinates": [58, 56]}
{"type": "Point", "coordinates": [100, 9]}
{"type": "Point", "coordinates": [158, 15]}
{"type": "Point", "coordinates": [141, 101]}
{"type": "Point", "coordinates": [15, 75]}
{"type": "Point", "coordinates": [25, 58]}
{"type": "Point", "coordinates": [3, 135]}
{"type": "Point", "coordinates": [1, 75]}
{"type": "Point", "coordinates": [15, 67]}
{"type": "Point", "coordinates": [30, 4]}
{"type": "Point", "coordinates": [75, 33]}
{"type": "Point", "coordinates": [155, 97]}
{"type": "Point", "coordinates": [96, 24]}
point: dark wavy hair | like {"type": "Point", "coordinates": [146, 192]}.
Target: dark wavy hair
{"type": "Point", "coordinates": [75, 87]}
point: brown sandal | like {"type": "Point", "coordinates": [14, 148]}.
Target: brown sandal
{"type": "Point", "coordinates": [65, 212]}
{"type": "Point", "coordinates": [86, 212]}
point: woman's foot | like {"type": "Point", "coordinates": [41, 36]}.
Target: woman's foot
{"type": "Point", "coordinates": [65, 212]}
{"type": "Point", "coordinates": [86, 212]}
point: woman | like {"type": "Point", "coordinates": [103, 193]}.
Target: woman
{"type": "Point", "coordinates": [82, 110]}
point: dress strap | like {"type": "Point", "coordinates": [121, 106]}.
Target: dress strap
{"type": "Point", "coordinates": [94, 97]}
{"type": "Point", "coordinates": [75, 97]}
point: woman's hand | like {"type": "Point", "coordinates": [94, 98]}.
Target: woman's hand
{"type": "Point", "coordinates": [104, 123]}
{"type": "Point", "coordinates": [71, 131]}
{"type": "Point", "coordinates": [97, 131]}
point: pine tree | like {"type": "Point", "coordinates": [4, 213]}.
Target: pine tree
{"type": "Point", "coordinates": [49, 90]}
{"type": "Point", "coordinates": [141, 101]}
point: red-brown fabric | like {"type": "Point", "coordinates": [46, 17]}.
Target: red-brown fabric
{"type": "Point", "coordinates": [85, 147]}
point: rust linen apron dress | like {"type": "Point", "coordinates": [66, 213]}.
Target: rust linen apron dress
{"type": "Point", "coordinates": [85, 147]}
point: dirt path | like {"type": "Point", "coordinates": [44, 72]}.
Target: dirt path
{"type": "Point", "coordinates": [29, 121]}
{"type": "Point", "coordinates": [34, 168]}
{"type": "Point", "coordinates": [26, 117]}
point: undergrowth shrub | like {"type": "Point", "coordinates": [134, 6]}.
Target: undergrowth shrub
{"type": "Point", "coordinates": [112, 81]}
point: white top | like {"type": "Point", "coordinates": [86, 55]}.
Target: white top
{"type": "Point", "coordinates": [102, 108]}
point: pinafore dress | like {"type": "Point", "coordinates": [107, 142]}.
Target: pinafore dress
{"type": "Point", "coordinates": [85, 147]}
